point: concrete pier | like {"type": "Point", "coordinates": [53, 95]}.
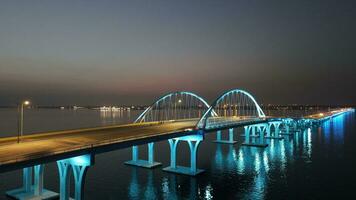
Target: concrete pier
{"type": "Point", "coordinates": [32, 187]}
{"type": "Point", "coordinates": [230, 140]}
{"type": "Point", "coordinates": [150, 163]}
{"type": "Point", "coordinates": [256, 129]}
{"type": "Point", "coordinates": [79, 167]}
{"type": "Point", "coordinates": [193, 142]}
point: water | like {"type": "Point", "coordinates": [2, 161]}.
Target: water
{"type": "Point", "coordinates": [316, 164]}
{"type": "Point", "coordinates": [42, 120]}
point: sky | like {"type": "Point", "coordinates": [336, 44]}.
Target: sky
{"type": "Point", "coordinates": [131, 52]}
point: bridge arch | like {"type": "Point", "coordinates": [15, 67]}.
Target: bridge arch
{"type": "Point", "coordinates": [230, 107]}
{"type": "Point", "coordinates": [175, 106]}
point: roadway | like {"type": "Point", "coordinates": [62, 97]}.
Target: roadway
{"type": "Point", "coordinates": [48, 147]}
{"type": "Point", "coordinates": [328, 114]}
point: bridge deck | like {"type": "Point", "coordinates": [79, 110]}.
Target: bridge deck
{"type": "Point", "coordinates": [40, 146]}
{"type": "Point", "coordinates": [326, 115]}
{"type": "Point", "coordinates": [47, 147]}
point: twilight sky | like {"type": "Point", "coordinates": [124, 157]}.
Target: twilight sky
{"type": "Point", "coordinates": [128, 52]}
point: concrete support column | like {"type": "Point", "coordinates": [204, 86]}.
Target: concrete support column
{"type": "Point", "coordinates": [218, 135]}
{"type": "Point", "coordinates": [151, 152]}
{"type": "Point", "coordinates": [38, 182]}
{"type": "Point", "coordinates": [247, 134]}
{"type": "Point", "coordinates": [273, 134]}
{"type": "Point", "coordinates": [32, 185]}
{"type": "Point", "coordinates": [262, 135]}
{"type": "Point", "coordinates": [231, 135]}
{"type": "Point", "coordinates": [193, 146]}
{"type": "Point", "coordinates": [27, 179]}
{"type": "Point", "coordinates": [193, 142]}
{"type": "Point", "coordinates": [149, 163]}
{"type": "Point", "coordinates": [228, 141]}
{"type": "Point", "coordinates": [134, 153]}
{"type": "Point", "coordinates": [79, 175]}
{"type": "Point", "coordinates": [287, 128]}
{"type": "Point", "coordinates": [253, 129]}
{"type": "Point", "coordinates": [173, 146]}
{"type": "Point", "coordinates": [79, 166]}
{"type": "Point", "coordinates": [63, 170]}
{"type": "Point", "coordinates": [276, 133]}
{"type": "Point", "coordinates": [268, 130]}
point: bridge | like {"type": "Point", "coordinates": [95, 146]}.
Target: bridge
{"type": "Point", "coordinates": [176, 117]}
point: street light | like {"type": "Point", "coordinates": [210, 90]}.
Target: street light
{"type": "Point", "coordinates": [175, 108]}
{"type": "Point", "coordinates": [21, 117]}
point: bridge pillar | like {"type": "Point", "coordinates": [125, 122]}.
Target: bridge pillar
{"type": "Point", "coordinates": [173, 146]}
{"type": "Point", "coordinates": [27, 179]}
{"type": "Point", "coordinates": [286, 128]}
{"type": "Point", "coordinates": [193, 142]}
{"type": "Point", "coordinates": [63, 171]}
{"type": "Point", "coordinates": [218, 135]}
{"type": "Point", "coordinates": [150, 163]}
{"type": "Point", "coordinates": [79, 175]}
{"type": "Point", "coordinates": [252, 128]}
{"type": "Point", "coordinates": [276, 133]}
{"type": "Point", "coordinates": [293, 127]}
{"type": "Point", "coordinates": [79, 167]}
{"type": "Point", "coordinates": [268, 130]}
{"type": "Point", "coordinates": [32, 187]}
{"type": "Point", "coordinates": [247, 134]}
{"type": "Point", "coordinates": [38, 182]}
{"type": "Point", "coordinates": [229, 141]}
{"type": "Point", "coordinates": [251, 132]}
{"type": "Point", "coordinates": [277, 129]}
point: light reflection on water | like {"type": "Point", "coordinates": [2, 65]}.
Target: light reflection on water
{"type": "Point", "coordinates": [240, 162]}
{"type": "Point", "coordinates": [115, 116]}
{"type": "Point", "coordinates": [237, 160]}
{"type": "Point", "coordinates": [43, 120]}
{"type": "Point", "coordinates": [338, 127]}
{"type": "Point", "coordinates": [298, 165]}
{"type": "Point", "coordinates": [208, 192]}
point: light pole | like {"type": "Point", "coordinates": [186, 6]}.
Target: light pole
{"type": "Point", "coordinates": [178, 113]}
{"type": "Point", "coordinates": [21, 117]}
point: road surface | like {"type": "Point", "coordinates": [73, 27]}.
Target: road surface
{"type": "Point", "coordinates": [37, 147]}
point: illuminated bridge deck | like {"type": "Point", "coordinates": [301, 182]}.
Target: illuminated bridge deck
{"type": "Point", "coordinates": [52, 146]}
{"type": "Point", "coordinates": [329, 114]}
{"type": "Point", "coordinates": [47, 147]}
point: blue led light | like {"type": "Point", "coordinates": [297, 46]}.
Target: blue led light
{"type": "Point", "coordinates": [84, 160]}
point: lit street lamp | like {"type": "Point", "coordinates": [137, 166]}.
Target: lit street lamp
{"type": "Point", "coordinates": [21, 117]}
{"type": "Point", "coordinates": [175, 108]}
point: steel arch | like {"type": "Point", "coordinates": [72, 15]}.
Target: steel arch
{"type": "Point", "coordinates": [202, 122]}
{"type": "Point", "coordinates": [141, 117]}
